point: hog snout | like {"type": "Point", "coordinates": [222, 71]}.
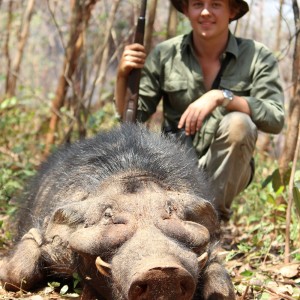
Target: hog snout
{"type": "Point", "coordinates": [163, 283]}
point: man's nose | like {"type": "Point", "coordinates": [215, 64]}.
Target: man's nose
{"type": "Point", "coordinates": [205, 11]}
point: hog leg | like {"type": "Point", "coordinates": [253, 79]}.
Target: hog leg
{"type": "Point", "coordinates": [21, 269]}
{"type": "Point", "coordinates": [217, 284]}
{"type": "Point", "coordinates": [87, 294]}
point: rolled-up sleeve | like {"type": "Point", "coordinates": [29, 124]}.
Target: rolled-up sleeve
{"type": "Point", "coordinates": [266, 95]}
{"type": "Point", "coordinates": [150, 88]}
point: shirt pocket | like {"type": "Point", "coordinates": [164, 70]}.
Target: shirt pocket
{"type": "Point", "coordinates": [176, 92]}
{"type": "Point", "coordinates": [239, 88]}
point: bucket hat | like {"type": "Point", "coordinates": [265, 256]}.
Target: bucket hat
{"type": "Point", "coordinates": [243, 7]}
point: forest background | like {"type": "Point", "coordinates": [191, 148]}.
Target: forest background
{"type": "Point", "coordinates": [58, 63]}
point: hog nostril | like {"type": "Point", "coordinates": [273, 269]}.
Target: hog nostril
{"type": "Point", "coordinates": [183, 287]}
{"type": "Point", "coordinates": [140, 289]}
{"type": "Point", "coordinates": [162, 283]}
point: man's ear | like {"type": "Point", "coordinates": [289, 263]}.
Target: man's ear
{"type": "Point", "coordinates": [233, 13]}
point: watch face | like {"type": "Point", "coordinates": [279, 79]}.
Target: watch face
{"type": "Point", "coordinates": [228, 94]}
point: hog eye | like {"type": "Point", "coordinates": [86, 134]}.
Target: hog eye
{"type": "Point", "coordinates": [108, 213]}
{"type": "Point", "coordinates": [107, 216]}
{"type": "Point", "coordinates": [170, 208]}
{"type": "Point", "coordinates": [111, 217]}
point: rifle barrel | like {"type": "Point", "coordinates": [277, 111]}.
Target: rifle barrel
{"type": "Point", "coordinates": [143, 8]}
{"type": "Point", "coordinates": [129, 114]}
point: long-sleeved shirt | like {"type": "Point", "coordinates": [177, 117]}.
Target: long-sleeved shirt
{"type": "Point", "coordinates": [173, 74]}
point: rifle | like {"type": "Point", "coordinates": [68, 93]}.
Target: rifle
{"type": "Point", "coordinates": [132, 92]}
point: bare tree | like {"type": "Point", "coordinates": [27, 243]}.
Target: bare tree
{"type": "Point", "coordinates": [265, 144]}
{"type": "Point", "coordinates": [6, 43]}
{"type": "Point", "coordinates": [278, 34]}
{"type": "Point", "coordinates": [105, 47]}
{"type": "Point", "coordinates": [15, 69]}
{"type": "Point", "coordinates": [259, 33]}
{"type": "Point", "coordinates": [292, 142]}
{"type": "Point", "coordinates": [80, 16]}
{"type": "Point", "coordinates": [248, 23]}
{"type": "Point", "coordinates": [150, 25]}
{"type": "Point", "coordinates": [294, 105]}
{"type": "Point", "coordinates": [172, 22]}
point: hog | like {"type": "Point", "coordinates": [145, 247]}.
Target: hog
{"type": "Point", "coordinates": [130, 213]}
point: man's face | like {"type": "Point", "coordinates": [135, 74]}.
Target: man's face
{"type": "Point", "coordinates": [209, 18]}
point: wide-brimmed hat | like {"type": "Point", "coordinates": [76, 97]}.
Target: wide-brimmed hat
{"type": "Point", "coordinates": [243, 7]}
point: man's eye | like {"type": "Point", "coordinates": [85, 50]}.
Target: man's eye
{"type": "Point", "coordinates": [216, 5]}
{"type": "Point", "coordinates": [197, 4]}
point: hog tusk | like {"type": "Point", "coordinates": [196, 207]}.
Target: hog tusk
{"type": "Point", "coordinates": [202, 260]}
{"type": "Point", "coordinates": [103, 267]}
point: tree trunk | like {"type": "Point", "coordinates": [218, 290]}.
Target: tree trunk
{"type": "Point", "coordinates": [294, 107]}
{"type": "Point", "coordinates": [81, 12]}
{"type": "Point", "coordinates": [266, 142]}
{"type": "Point", "coordinates": [259, 32]}
{"type": "Point", "coordinates": [6, 44]}
{"type": "Point", "coordinates": [248, 22]}
{"type": "Point", "coordinates": [13, 75]}
{"type": "Point", "coordinates": [278, 33]}
{"type": "Point", "coordinates": [172, 22]}
{"type": "Point", "coordinates": [106, 46]}
{"type": "Point", "coordinates": [149, 26]}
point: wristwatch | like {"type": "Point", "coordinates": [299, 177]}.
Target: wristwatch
{"type": "Point", "coordinates": [228, 97]}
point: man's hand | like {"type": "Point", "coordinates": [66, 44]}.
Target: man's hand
{"type": "Point", "coordinates": [133, 57]}
{"type": "Point", "coordinates": [197, 111]}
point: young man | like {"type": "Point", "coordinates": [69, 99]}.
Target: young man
{"type": "Point", "coordinates": [218, 88]}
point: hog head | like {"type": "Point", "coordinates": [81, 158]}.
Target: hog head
{"type": "Point", "coordinates": [133, 239]}
{"type": "Point", "coordinates": [138, 240]}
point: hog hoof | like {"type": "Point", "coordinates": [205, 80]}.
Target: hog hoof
{"type": "Point", "coordinates": [87, 294]}
{"type": "Point", "coordinates": [217, 283]}
{"type": "Point", "coordinates": [21, 270]}
{"type": "Point", "coordinates": [33, 234]}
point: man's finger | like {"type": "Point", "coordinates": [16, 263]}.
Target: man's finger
{"type": "Point", "coordinates": [182, 120]}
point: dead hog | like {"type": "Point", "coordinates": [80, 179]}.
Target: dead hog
{"type": "Point", "coordinates": [130, 213]}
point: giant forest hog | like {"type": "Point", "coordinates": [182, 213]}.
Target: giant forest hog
{"type": "Point", "coordinates": [130, 213]}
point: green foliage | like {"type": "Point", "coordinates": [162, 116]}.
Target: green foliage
{"type": "Point", "coordinates": [104, 118]}
{"type": "Point", "coordinates": [263, 205]}
{"type": "Point", "coordinates": [18, 145]}
{"type": "Point", "coordinates": [69, 289]}
{"type": "Point", "coordinates": [260, 214]}
{"type": "Point", "coordinates": [18, 148]}
{"type": "Point", "coordinates": [20, 124]}
{"type": "Point", "coordinates": [11, 182]}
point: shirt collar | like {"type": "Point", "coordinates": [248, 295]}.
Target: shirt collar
{"type": "Point", "coordinates": [232, 45]}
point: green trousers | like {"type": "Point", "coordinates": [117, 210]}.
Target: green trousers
{"type": "Point", "coordinates": [228, 160]}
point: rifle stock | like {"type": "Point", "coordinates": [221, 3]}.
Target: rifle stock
{"type": "Point", "coordinates": [132, 91]}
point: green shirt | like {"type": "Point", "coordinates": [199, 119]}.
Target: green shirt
{"type": "Point", "coordinates": [173, 74]}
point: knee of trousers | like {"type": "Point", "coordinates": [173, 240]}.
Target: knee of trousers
{"type": "Point", "coordinates": [239, 128]}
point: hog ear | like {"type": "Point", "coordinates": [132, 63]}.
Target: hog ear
{"type": "Point", "coordinates": [67, 216]}
{"type": "Point", "coordinates": [205, 214]}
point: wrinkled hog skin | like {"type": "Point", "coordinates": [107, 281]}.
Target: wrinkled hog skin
{"type": "Point", "coordinates": [127, 211]}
